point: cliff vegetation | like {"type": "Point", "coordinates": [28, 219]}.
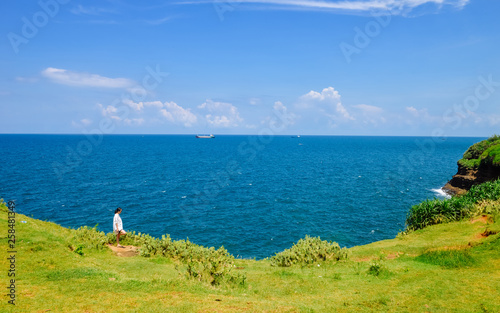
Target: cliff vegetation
{"type": "Point", "coordinates": [480, 163]}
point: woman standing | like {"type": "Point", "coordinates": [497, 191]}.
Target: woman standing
{"type": "Point", "coordinates": [118, 227]}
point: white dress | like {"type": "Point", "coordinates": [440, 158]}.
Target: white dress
{"type": "Point", "coordinates": [117, 220]}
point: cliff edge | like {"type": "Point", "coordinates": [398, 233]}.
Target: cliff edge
{"type": "Point", "coordinates": [480, 163]}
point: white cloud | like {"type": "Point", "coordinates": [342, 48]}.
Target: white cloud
{"type": "Point", "coordinates": [220, 121]}
{"type": "Point", "coordinates": [148, 112]}
{"type": "Point", "coordinates": [413, 111]}
{"type": "Point", "coordinates": [71, 78]}
{"type": "Point", "coordinates": [109, 111]}
{"type": "Point", "coordinates": [281, 118]}
{"type": "Point", "coordinates": [86, 121]}
{"type": "Point", "coordinates": [420, 116]}
{"type": "Point", "coordinates": [327, 102]}
{"type": "Point", "coordinates": [139, 106]}
{"type": "Point", "coordinates": [156, 104]}
{"type": "Point", "coordinates": [133, 121]}
{"type": "Point", "coordinates": [160, 21]}
{"type": "Point", "coordinates": [368, 109]}
{"type": "Point", "coordinates": [369, 114]}
{"type": "Point", "coordinates": [81, 10]}
{"type": "Point", "coordinates": [221, 114]}
{"type": "Point", "coordinates": [283, 114]}
{"type": "Point", "coordinates": [483, 119]}
{"type": "Point", "coordinates": [422, 113]}
{"type": "Point", "coordinates": [395, 6]}
{"type": "Point", "coordinates": [280, 107]}
{"type": "Point", "coordinates": [493, 119]}
{"type": "Point", "coordinates": [177, 114]}
{"type": "Point", "coordinates": [27, 79]}
{"type": "Point", "coordinates": [254, 101]}
{"type": "Point", "coordinates": [83, 123]}
{"type": "Point", "coordinates": [328, 93]}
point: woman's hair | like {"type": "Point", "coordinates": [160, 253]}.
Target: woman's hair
{"type": "Point", "coordinates": [118, 210]}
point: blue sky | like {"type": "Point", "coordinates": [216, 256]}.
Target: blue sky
{"type": "Point", "coordinates": [374, 67]}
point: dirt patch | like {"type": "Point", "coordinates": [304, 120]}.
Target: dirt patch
{"type": "Point", "coordinates": [449, 248]}
{"type": "Point", "coordinates": [482, 219]}
{"type": "Point", "coordinates": [389, 256]}
{"type": "Point", "coordinates": [363, 259]}
{"type": "Point", "coordinates": [481, 235]}
{"type": "Point", "coordinates": [124, 251]}
{"type": "Point", "coordinates": [392, 256]}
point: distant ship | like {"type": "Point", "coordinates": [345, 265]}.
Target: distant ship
{"type": "Point", "coordinates": [205, 136]}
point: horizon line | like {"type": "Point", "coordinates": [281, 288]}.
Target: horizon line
{"type": "Point", "coordinates": [215, 134]}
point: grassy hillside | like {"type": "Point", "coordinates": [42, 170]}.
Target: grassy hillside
{"type": "Point", "coordinates": [451, 267]}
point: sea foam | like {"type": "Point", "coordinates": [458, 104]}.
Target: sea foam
{"type": "Point", "coordinates": [441, 193]}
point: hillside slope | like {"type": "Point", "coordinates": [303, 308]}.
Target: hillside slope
{"type": "Point", "coordinates": [453, 267]}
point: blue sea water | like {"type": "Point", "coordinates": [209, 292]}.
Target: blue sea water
{"type": "Point", "coordinates": [254, 195]}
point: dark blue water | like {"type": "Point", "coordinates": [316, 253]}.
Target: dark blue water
{"type": "Point", "coordinates": [254, 195]}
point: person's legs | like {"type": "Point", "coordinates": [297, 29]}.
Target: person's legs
{"type": "Point", "coordinates": [120, 233]}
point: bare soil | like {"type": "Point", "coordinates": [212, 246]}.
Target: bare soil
{"type": "Point", "coordinates": [124, 251]}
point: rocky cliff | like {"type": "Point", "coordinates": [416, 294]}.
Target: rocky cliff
{"type": "Point", "coordinates": [465, 178]}
{"type": "Point", "coordinates": [480, 163]}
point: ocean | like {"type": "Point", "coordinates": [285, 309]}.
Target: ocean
{"type": "Point", "coordinates": [255, 195]}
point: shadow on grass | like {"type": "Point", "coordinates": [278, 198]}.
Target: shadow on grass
{"type": "Point", "coordinates": [448, 258]}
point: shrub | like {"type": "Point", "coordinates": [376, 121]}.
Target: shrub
{"type": "Point", "coordinates": [79, 250]}
{"type": "Point", "coordinates": [437, 211]}
{"type": "Point", "coordinates": [205, 264]}
{"type": "Point", "coordinates": [3, 206]}
{"type": "Point", "coordinates": [210, 265]}
{"type": "Point", "coordinates": [309, 250]}
{"type": "Point", "coordinates": [378, 270]}
{"type": "Point", "coordinates": [90, 238]}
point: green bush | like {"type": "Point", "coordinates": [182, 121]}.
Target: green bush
{"type": "Point", "coordinates": [377, 269]}
{"type": "Point", "coordinates": [205, 264]}
{"type": "Point", "coordinates": [3, 206]}
{"type": "Point", "coordinates": [90, 238]}
{"type": "Point", "coordinates": [210, 265]}
{"type": "Point", "coordinates": [79, 250]}
{"type": "Point", "coordinates": [437, 211]}
{"type": "Point", "coordinates": [308, 251]}
{"type": "Point", "coordinates": [474, 154]}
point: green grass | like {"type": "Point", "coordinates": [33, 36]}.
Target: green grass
{"type": "Point", "coordinates": [442, 268]}
{"type": "Point", "coordinates": [470, 163]}
{"type": "Point", "coordinates": [448, 258]}
{"type": "Point", "coordinates": [491, 156]}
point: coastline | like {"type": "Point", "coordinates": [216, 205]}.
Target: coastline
{"type": "Point", "coordinates": [346, 181]}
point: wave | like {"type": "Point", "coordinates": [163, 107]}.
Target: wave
{"type": "Point", "coordinates": [441, 193]}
